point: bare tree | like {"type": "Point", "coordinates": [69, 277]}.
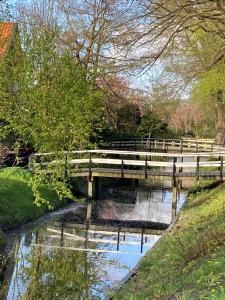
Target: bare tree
{"type": "Point", "coordinates": [163, 26]}
{"type": "Point", "coordinates": [87, 27]}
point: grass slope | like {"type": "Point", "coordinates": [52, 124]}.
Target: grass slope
{"type": "Point", "coordinates": [189, 262]}
{"type": "Point", "coordinates": [17, 200]}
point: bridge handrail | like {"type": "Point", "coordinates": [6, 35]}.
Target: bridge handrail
{"type": "Point", "coordinates": [135, 153]}
{"type": "Point", "coordinates": [167, 140]}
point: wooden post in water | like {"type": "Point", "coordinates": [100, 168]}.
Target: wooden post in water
{"type": "Point", "coordinates": [174, 169]}
{"type": "Point", "coordinates": [142, 238]}
{"type": "Point", "coordinates": [118, 239]}
{"type": "Point", "coordinates": [90, 198]}
{"type": "Point", "coordinates": [181, 168]}
{"type": "Point", "coordinates": [174, 202]}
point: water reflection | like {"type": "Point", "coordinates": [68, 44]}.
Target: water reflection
{"type": "Point", "coordinates": [145, 205]}
{"type": "Point", "coordinates": [70, 259]}
{"type": "Point", "coordinates": [77, 264]}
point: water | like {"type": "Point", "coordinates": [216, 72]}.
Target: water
{"type": "Point", "coordinates": [54, 259]}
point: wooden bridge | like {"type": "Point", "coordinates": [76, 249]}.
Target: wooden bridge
{"type": "Point", "coordinates": [134, 164]}
{"type": "Point", "coordinates": [206, 161]}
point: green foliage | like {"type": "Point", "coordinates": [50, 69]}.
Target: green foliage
{"type": "Point", "coordinates": [17, 198]}
{"type": "Point", "coordinates": [51, 103]}
{"type": "Point", "coordinates": [47, 101]}
{"type": "Point", "coordinates": [208, 84]}
{"type": "Point", "coordinates": [47, 272]}
{"type": "Point", "coordinates": [128, 119]}
{"type": "Point", "coordinates": [153, 126]}
{"type": "Point", "coordinates": [188, 262]}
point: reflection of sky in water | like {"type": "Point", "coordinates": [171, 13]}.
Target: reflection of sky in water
{"type": "Point", "coordinates": [106, 266]}
{"type": "Point", "coordinates": [18, 287]}
{"type": "Point", "coordinates": [109, 267]}
{"type": "Point", "coordinates": [153, 206]}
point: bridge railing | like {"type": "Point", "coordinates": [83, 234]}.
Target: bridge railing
{"type": "Point", "coordinates": [152, 144]}
{"type": "Point", "coordinates": [86, 163]}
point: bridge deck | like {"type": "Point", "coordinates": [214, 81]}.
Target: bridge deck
{"type": "Point", "coordinates": [140, 174]}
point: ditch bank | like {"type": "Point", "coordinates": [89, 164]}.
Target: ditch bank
{"type": "Point", "coordinates": [188, 262]}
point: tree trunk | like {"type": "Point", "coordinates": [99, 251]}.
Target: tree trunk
{"type": "Point", "coordinates": [219, 118]}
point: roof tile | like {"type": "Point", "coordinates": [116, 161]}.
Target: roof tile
{"type": "Point", "coordinates": [6, 30]}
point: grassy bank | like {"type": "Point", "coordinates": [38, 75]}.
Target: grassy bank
{"type": "Point", "coordinates": [17, 199]}
{"type": "Point", "coordinates": [188, 263]}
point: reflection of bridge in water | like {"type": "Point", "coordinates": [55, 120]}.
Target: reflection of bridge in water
{"type": "Point", "coordinates": [87, 237]}
{"type": "Point", "coordinates": [175, 160]}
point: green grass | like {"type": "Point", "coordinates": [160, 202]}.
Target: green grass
{"type": "Point", "coordinates": [17, 199]}
{"type": "Point", "coordinates": [189, 262]}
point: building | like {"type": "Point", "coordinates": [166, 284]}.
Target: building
{"type": "Point", "coordinates": [8, 35]}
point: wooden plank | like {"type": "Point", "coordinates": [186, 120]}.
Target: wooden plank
{"type": "Point", "coordinates": [109, 161]}
{"type": "Point", "coordinates": [146, 153]}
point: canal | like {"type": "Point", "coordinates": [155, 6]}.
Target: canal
{"type": "Point", "coordinates": [61, 256]}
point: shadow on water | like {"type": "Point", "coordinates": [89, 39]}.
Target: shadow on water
{"type": "Point", "coordinates": [70, 257]}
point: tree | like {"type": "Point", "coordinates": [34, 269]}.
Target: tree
{"type": "Point", "coordinates": [160, 27]}
{"type": "Point", "coordinates": [49, 102]}
{"type": "Point", "coordinates": [209, 92]}
{"type": "Point", "coordinates": [179, 32]}
{"type": "Point", "coordinates": [87, 28]}
{"type": "Point", "coordinates": [153, 126]}
{"type": "Point", "coordinates": [55, 105]}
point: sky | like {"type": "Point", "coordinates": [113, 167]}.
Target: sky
{"type": "Point", "coordinates": [140, 80]}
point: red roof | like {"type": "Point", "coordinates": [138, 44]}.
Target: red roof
{"type": "Point", "coordinates": [6, 31]}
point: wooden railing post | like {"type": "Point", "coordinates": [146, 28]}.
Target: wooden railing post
{"type": "Point", "coordinates": [122, 167]}
{"type": "Point", "coordinates": [146, 167]}
{"type": "Point", "coordinates": [221, 168]}
{"type": "Point", "coordinates": [181, 146]}
{"type": "Point", "coordinates": [197, 168]}
{"type": "Point", "coordinates": [174, 169]}
{"type": "Point", "coordinates": [90, 167]}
